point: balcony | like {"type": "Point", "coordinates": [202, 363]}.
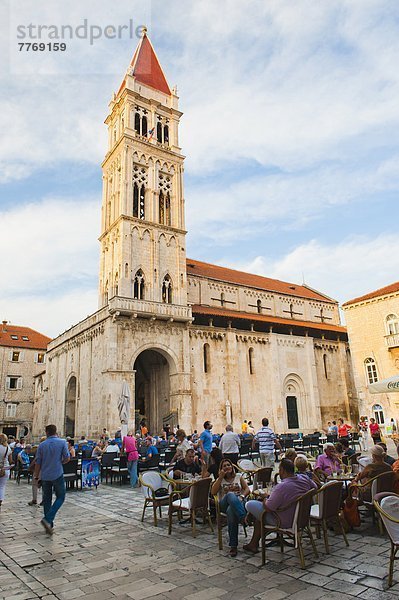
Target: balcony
{"type": "Point", "coordinates": [392, 340]}
{"type": "Point", "coordinates": [130, 307]}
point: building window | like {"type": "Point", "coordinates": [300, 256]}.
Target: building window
{"type": "Point", "coordinates": [325, 365]}
{"type": "Point", "coordinates": [207, 358]}
{"type": "Point", "coordinates": [16, 356]}
{"type": "Point", "coordinates": [292, 412]}
{"type": "Point", "coordinates": [40, 357]}
{"type": "Point", "coordinates": [137, 123]}
{"type": "Point", "coordinates": [251, 360]}
{"type": "Point", "coordinates": [378, 414]}
{"type": "Point", "coordinates": [371, 370]}
{"type": "Point", "coordinates": [159, 132]}
{"type": "Point", "coordinates": [259, 306]}
{"type": "Point", "coordinates": [25, 338]}
{"type": "Point", "coordinates": [11, 410]}
{"type": "Point", "coordinates": [138, 201]}
{"type": "Point", "coordinates": [14, 337]}
{"type": "Point", "coordinates": [14, 383]}
{"type": "Point", "coordinates": [138, 285]}
{"type": "Point", "coordinates": [166, 134]}
{"type": "Point", "coordinates": [167, 290]}
{"type": "Point", "coordinates": [392, 324]}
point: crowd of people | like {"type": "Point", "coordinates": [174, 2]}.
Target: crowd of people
{"type": "Point", "coordinates": [205, 455]}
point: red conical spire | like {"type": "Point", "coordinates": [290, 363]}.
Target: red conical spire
{"type": "Point", "coordinates": [145, 66]}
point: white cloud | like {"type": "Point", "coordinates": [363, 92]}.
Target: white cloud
{"type": "Point", "coordinates": [343, 271]}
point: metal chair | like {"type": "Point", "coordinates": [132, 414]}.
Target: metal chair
{"type": "Point", "coordinates": [120, 470]}
{"type": "Point", "coordinates": [71, 473]}
{"type": "Point", "coordinates": [151, 481]}
{"type": "Point", "coordinates": [262, 477]}
{"type": "Point", "coordinates": [107, 462]}
{"type": "Point", "coordinates": [300, 524]}
{"type": "Point", "coordinates": [387, 506]}
{"type": "Point", "coordinates": [197, 501]}
{"type": "Point", "coordinates": [328, 509]}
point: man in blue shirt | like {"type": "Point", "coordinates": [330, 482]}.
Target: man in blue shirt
{"type": "Point", "coordinates": [205, 441]}
{"type": "Point", "coordinates": [51, 455]}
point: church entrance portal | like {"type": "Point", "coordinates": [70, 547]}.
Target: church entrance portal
{"type": "Point", "coordinates": [70, 407]}
{"type": "Point", "coordinates": [152, 390]}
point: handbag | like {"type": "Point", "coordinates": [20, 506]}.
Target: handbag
{"type": "Point", "coordinates": [161, 492]}
{"type": "Point", "coordinates": [2, 468]}
{"type": "Point", "coordinates": [351, 512]}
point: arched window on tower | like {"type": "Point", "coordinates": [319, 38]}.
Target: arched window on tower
{"type": "Point", "coordinates": [137, 123]}
{"type": "Point", "coordinates": [166, 134]}
{"type": "Point", "coordinates": [371, 370]}
{"type": "Point", "coordinates": [167, 290]}
{"type": "Point", "coordinates": [138, 201]}
{"type": "Point", "coordinates": [159, 132]}
{"type": "Point", "coordinates": [138, 285]}
{"type": "Point", "coordinates": [106, 293]}
{"type": "Point", "coordinates": [207, 357]}
{"type": "Point", "coordinates": [126, 270]}
{"type": "Point", "coordinates": [144, 126]}
{"type": "Point", "coordinates": [259, 306]}
{"type": "Point", "coordinates": [251, 361]}
{"type": "Point", "coordinates": [161, 208]}
{"type": "Point", "coordinates": [116, 285]}
{"type": "Point", "coordinates": [135, 200]}
{"type": "Point", "coordinates": [167, 210]}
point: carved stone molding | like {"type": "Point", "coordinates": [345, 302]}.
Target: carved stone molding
{"type": "Point", "coordinates": [252, 339]}
{"type": "Point", "coordinates": [200, 333]}
{"type": "Point", "coordinates": [292, 343]}
{"type": "Point", "coordinates": [77, 341]}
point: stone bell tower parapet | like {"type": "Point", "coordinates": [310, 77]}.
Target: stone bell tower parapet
{"type": "Point", "coordinates": [143, 253]}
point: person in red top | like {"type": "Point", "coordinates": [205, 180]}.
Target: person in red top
{"type": "Point", "coordinates": [375, 431]}
{"type": "Point", "coordinates": [129, 445]}
{"type": "Point", "coordinates": [343, 430]}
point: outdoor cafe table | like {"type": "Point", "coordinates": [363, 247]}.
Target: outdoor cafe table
{"type": "Point", "coordinates": [344, 477]}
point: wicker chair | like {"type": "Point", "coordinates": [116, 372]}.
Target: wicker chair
{"type": "Point", "coordinates": [365, 492]}
{"type": "Point", "coordinates": [196, 501]}
{"type": "Point", "coordinates": [300, 524]}
{"type": "Point", "coordinates": [151, 481]}
{"type": "Point", "coordinates": [387, 506]}
{"type": "Point", "coordinates": [328, 509]}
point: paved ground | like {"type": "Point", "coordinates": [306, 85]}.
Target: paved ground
{"type": "Point", "coordinates": [101, 549]}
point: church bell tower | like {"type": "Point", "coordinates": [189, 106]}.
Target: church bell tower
{"type": "Point", "coordinates": [143, 252]}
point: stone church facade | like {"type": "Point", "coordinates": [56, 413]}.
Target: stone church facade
{"type": "Point", "coordinates": [192, 341]}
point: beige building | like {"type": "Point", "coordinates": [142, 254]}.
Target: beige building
{"type": "Point", "coordinates": [373, 328]}
{"type": "Point", "coordinates": [22, 359]}
{"type": "Point", "coordinates": [185, 340]}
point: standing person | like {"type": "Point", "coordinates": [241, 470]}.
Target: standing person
{"type": "Point", "coordinates": [51, 455]}
{"type": "Point", "coordinates": [375, 431]}
{"type": "Point", "coordinates": [334, 428]}
{"type": "Point", "coordinates": [266, 439]}
{"type": "Point", "coordinates": [205, 441]}
{"type": "Point", "coordinates": [363, 434]}
{"type": "Point", "coordinates": [244, 427]}
{"type": "Point", "coordinates": [130, 447]}
{"type": "Point", "coordinates": [343, 430]}
{"type": "Point", "coordinates": [5, 463]}
{"type": "Point", "coordinates": [250, 428]}
{"type": "Point", "coordinates": [230, 445]}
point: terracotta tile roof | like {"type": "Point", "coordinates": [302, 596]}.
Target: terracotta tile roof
{"type": "Point", "coordinates": [12, 336]}
{"type": "Point", "coordinates": [388, 289]}
{"type": "Point", "coordinates": [146, 67]}
{"type": "Point", "coordinates": [200, 309]}
{"type": "Point", "coordinates": [202, 269]}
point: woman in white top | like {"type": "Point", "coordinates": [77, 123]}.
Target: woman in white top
{"type": "Point", "coordinates": [182, 446]}
{"type": "Point", "coordinates": [5, 462]}
{"type": "Point", "coordinates": [231, 489]}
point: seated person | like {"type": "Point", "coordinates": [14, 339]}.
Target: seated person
{"type": "Point", "coordinates": [388, 459]}
{"type": "Point", "coordinates": [348, 451]}
{"type": "Point", "coordinates": [339, 451]}
{"type": "Point", "coordinates": [112, 447]}
{"type": "Point", "coordinates": [71, 448]}
{"type": "Point", "coordinates": [288, 490]}
{"type": "Point", "coordinates": [82, 440]}
{"type": "Point", "coordinates": [188, 464]}
{"type": "Point", "coordinates": [395, 466]}
{"type": "Point", "coordinates": [98, 450]}
{"type": "Point", "coordinates": [376, 467]}
{"type": "Point", "coordinates": [327, 463]}
{"type": "Point", "coordinates": [231, 489]}
{"type": "Point", "coordinates": [23, 459]}
{"type": "Point", "coordinates": [149, 451]}
{"type": "Point", "coordinates": [215, 459]}
{"type": "Point", "coordinates": [290, 454]}
{"type": "Point", "coordinates": [182, 446]}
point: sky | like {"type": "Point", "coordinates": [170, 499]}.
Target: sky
{"type": "Point", "coordinates": [290, 132]}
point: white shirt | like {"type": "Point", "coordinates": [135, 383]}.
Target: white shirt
{"type": "Point", "coordinates": [5, 452]}
{"type": "Point", "coordinates": [230, 443]}
{"type": "Point", "coordinates": [112, 448]}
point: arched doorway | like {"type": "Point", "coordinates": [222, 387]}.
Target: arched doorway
{"type": "Point", "coordinates": [293, 397]}
{"type": "Point", "coordinates": [70, 407]}
{"type": "Point", "coordinates": [152, 389]}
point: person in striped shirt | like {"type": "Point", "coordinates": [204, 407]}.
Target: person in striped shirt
{"type": "Point", "coordinates": [266, 438]}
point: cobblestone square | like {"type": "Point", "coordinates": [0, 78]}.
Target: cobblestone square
{"type": "Point", "coordinates": [100, 548]}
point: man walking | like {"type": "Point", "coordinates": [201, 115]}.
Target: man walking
{"type": "Point", "coordinates": [205, 441]}
{"type": "Point", "coordinates": [50, 456]}
{"type": "Point", "coordinates": [266, 439]}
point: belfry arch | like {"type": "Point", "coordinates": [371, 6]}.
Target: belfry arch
{"type": "Point", "coordinates": [153, 369]}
